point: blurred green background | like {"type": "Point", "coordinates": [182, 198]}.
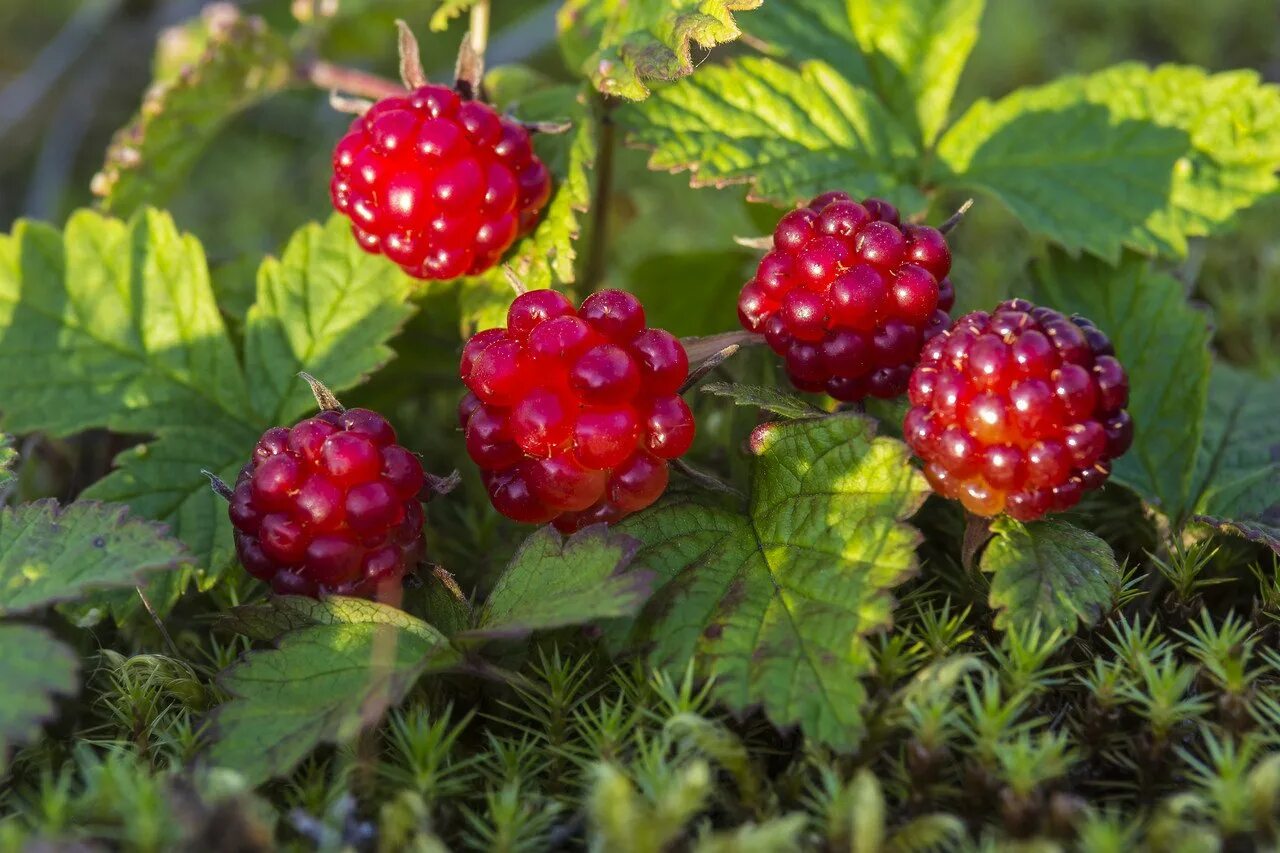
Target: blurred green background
{"type": "Point", "coordinates": [71, 73]}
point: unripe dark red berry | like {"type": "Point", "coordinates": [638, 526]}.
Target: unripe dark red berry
{"type": "Point", "coordinates": [848, 296]}
{"type": "Point", "coordinates": [330, 507]}
{"type": "Point", "coordinates": [573, 415]}
{"type": "Point", "coordinates": [439, 185]}
{"type": "Point", "coordinates": [1018, 411]}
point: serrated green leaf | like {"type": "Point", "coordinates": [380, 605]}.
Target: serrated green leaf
{"type": "Point", "coordinates": [114, 325]}
{"type": "Point", "coordinates": [50, 554]}
{"type": "Point", "coordinates": [1126, 157]}
{"type": "Point", "coordinates": [916, 51]}
{"type": "Point", "coordinates": [326, 308]}
{"type": "Point", "coordinates": [1237, 480]}
{"type": "Point", "coordinates": [1069, 170]}
{"type": "Point", "coordinates": [34, 668]}
{"type": "Point", "coordinates": [789, 133]}
{"type": "Point", "coordinates": [8, 456]}
{"type": "Point", "coordinates": [776, 602]}
{"type": "Point", "coordinates": [1163, 343]}
{"type": "Point", "coordinates": [242, 63]}
{"type": "Point", "coordinates": [910, 53]}
{"type": "Point", "coordinates": [769, 399]}
{"type": "Point", "coordinates": [545, 258]}
{"type": "Point", "coordinates": [554, 581]}
{"type": "Point", "coordinates": [625, 42]}
{"type": "Point", "coordinates": [324, 684]}
{"type": "Point", "coordinates": [1048, 571]}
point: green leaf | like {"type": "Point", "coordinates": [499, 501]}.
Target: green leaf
{"type": "Point", "coordinates": [283, 613]}
{"type": "Point", "coordinates": [324, 684]}
{"type": "Point", "coordinates": [1237, 481]}
{"type": "Point", "coordinates": [552, 582]}
{"type": "Point", "coordinates": [916, 51]}
{"type": "Point", "coordinates": [1050, 571]}
{"type": "Point", "coordinates": [326, 308]}
{"type": "Point", "coordinates": [1163, 344]}
{"type": "Point", "coordinates": [114, 325]}
{"type": "Point", "coordinates": [1126, 157]}
{"type": "Point", "coordinates": [788, 133]}
{"type": "Point", "coordinates": [776, 602]}
{"type": "Point", "coordinates": [242, 63]}
{"type": "Point", "coordinates": [768, 399]}
{"type": "Point", "coordinates": [910, 53]}
{"type": "Point", "coordinates": [8, 456]}
{"type": "Point", "coordinates": [546, 257]}
{"type": "Point", "coordinates": [34, 668]}
{"type": "Point", "coordinates": [1068, 169]}
{"type": "Point", "coordinates": [626, 42]}
{"type": "Point", "coordinates": [51, 554]}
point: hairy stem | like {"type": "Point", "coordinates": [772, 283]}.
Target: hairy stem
{"type": "Point", "coordinates": [353, 81]}
{"type": "Point", "coordinates": [597, 254]}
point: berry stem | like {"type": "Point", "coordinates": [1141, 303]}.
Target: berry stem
{"type": "Point", "coordinates": [596, 256]}
{"type": "Point", "coordinates": [977, 533]}
{"type": "Point", "coordinates": [155, 617]}
{"type": "Point", "coordinates": [326, 75]}
{"type": "Point", "coordinates": [709, 364]}
{"type": "Point", "coordinates": [480, 28]}
{"type": "Point", "coordinates": [954, 219]}
{"type": "Point", "coordinates": [517, 283]}
{"type": "Point", "coordinates": [701, 349]}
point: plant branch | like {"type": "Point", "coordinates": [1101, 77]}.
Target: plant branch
{"type": "Point", "coordinates": [597, 254]}
{"type": "Point", "coordinates": [353, 81]}
{"type": "Point", "coordinates": [954, 219]}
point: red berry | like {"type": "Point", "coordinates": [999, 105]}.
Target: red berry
{"type": "Point", "coordinates": [1018, 411]}
{"type": "Point", "coordinates": [574, 414]}
{"type": "Point", "coordinates": [442, 187]}
{"type": "Point", "coordinates": [848, 296]}
{"type": "Point", "coordinates": [331, 507]}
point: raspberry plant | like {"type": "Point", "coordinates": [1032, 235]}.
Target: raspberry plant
{"type": "Point", "coordinates": [855, 576]}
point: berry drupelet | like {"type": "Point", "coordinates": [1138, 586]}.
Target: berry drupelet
{"type": "Point", "coordinates": [440, 185]}
{"type": "Point", "coordinates": [573, 415]}
{"type": "Point", "coordinates": [330, 506]}
{"type": "Point", "coordinates": [1021, 410]}
{"type": "Point", "coordinates": [848, 295]}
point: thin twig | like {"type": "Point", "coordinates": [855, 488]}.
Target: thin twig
{"type": "Point", "coordinates": [155, 617]}
{"type": "Point", "coordinates": [326, 75]}
{"type": "Point", "coordinates": [704, 479]}
{"type": "Point", "coordinates": [977, 533]}
{"type": "Point", "coordinates": [703, 348]}
{"type": "Point", "coordinates": [954, 219]}
{"type": "Point", "coordinates": [708, 365]}
{"type": "Point", "coordinates": [597, 253]}
{"type": "Point", "coordinates": [517, 283]}
{"type": "Point", "coordinates": [765, 243]}
{"type": "Point", "coordinates": [479, 30]}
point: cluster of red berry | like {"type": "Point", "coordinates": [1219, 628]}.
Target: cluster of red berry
{"type": "Point", "coordinates": [574, 415]}
{"type": "Point", "coordinates": [330, 506]}
{"type": "Point", "coordinates": [1021, 410]}
{"type": "Point", "coordinates": [440, 185]}
{"type": "Point", "coordinates": [849, 295]}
